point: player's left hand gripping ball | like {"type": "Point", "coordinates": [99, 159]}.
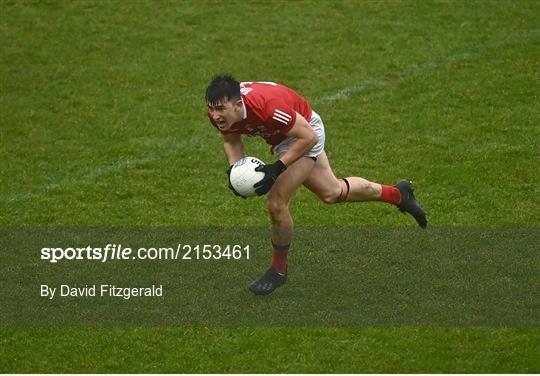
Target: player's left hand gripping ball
{"type": "Point", "coordinates": [271, 173]}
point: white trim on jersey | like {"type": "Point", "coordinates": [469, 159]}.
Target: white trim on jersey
{"type": "Point", "coordinates": [282, 117]}
{"type": "Point", "coordinates": [244, 107]}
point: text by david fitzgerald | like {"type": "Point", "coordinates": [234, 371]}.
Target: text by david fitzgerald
{"type": "Point", "coordinates": [67, 291]}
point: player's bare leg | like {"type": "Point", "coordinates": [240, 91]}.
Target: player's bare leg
{"type": "Point", "coordinates": [331, 190]}
{"type": "Point", "coordinates": [278, 201]}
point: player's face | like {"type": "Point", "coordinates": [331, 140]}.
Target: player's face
{"type": "Point", "coordinates": [225, 113]}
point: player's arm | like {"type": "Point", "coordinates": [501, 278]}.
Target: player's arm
{"type": "Point", "coordinates": [233, 147]}
{"type": "Point", "coordinates": [306, 139]}
{"type": "Point", "coordinates": [234, 150]}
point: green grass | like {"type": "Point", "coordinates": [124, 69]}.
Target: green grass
{"type": "Point", "coordinates": [248, 350]}
{"type": "Point", "coordinates": [103, 124]}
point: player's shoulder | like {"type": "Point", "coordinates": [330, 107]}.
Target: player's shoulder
{"type": "Point", "coordinates": [258, 85]}
{"type": "Point", "coordinates": [261, 99]}
{"type": "Point", "coordinates": [268, 105]}
{"type": "Point", "coordinates": [261, 93]}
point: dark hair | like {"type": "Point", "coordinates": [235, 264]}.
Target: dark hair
{"type": "Point", "coordinates": [222, 86]}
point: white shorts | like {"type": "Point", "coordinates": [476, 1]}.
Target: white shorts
{"type": "Point", "coordinates": [318, 126]}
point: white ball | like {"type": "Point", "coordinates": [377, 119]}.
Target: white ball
{"type": "Point", "coordinates": [243, 175]}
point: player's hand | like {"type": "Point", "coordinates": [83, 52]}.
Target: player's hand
{"type": "Point", "coordinates": [271, 173]}
{"type": "Point", "coordinates": [230, 186]}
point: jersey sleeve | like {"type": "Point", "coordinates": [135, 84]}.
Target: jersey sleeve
{"type": "Point", "coordinates": [279, 116]}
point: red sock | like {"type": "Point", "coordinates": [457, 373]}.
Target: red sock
{"type": "Point", "coordinates": [390, 194]}
{"type": "Point", "coordinates": [279, 258]}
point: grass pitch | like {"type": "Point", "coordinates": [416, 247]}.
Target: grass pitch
{"type": "Point", "coordinates": [103, 124]}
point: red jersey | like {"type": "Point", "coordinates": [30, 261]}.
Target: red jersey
{"type": "Point", "coordinates": [269, 111]}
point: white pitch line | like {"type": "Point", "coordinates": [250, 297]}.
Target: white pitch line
{"type": "Point", "coordinates": [417, 70]}
{"type": "Point", "coordinates": [341, 94]}
{"type": "Point", "coordinates": [96, 172]}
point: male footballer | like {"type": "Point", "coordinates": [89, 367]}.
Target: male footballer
{"type": "Point", "coordinates": [296, 133]}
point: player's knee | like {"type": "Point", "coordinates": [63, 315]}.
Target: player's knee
{"type": "Point", "coordinates": [331, 196]}
{"type": "Point", "coordinates": [339, 193]}
{"type": "Point", "coordinates": [276, 208]}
